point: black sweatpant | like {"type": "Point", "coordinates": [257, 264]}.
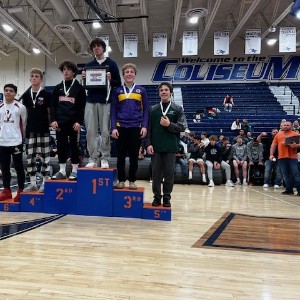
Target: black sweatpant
{"type": "Point", "coordinates": [67, 143]}
{"type": "Point", "coordinates": [16, 153]}
{"type": "Point", "coordinates": [162, 167]}
{"type": "Point", "coordinates": [128, 143]}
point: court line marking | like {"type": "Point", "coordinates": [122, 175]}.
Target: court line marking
{"type": "Point", "coordinates": [283, 201]}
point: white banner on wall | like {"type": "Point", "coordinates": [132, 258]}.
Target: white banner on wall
{"type": "Point", "coordinates": [253, 41]}
{"type": "Point", "coordinates": [105, 38]}
{"type": "Point", "coordinates": [221, 42]}
{"type": "Point", "coordinates": [160, 44]}
{"type": "Point", "coordinates": [130, 45]}
{"type": "Point", "coordinates": [287, 39]}
{"type": "Point", "coordinates": [190, 43]}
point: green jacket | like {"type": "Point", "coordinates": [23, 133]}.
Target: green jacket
{"type": "Point", "coordinates": [165, 139]}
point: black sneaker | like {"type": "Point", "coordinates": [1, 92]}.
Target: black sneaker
{"type": "Point", "coordinates": [166, 203]}
{"type": "Point", "coordinates": [156, 202]}
{"type": "Point", "coordinates": [287, 193]}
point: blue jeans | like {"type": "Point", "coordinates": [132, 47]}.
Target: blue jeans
{"type": "Point", "coordinates": [272, 166]}
{"type": "Point", "coordinates": [183, 165]}
{"type": "Point", "coordinates": [290, 173]}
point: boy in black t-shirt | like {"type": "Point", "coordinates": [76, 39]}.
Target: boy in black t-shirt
{"type": "Point", "coordinates": [37, 102]}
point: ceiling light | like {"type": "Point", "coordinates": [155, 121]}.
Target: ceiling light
{"type": "Point", "coordinates": [194, 20]}
{"type": "Point", "coordinates": [298, 15]}
{"type": "Point", "coordinates": [7, 27]}
{"type": "Point", "coordinates": [271, 42]}
{"type": "Point", "coordinates": [96, 25]}
{"type": "Point", "coordinates": [36, 50]}
{"type": "Point", "coordinates": [109, 49]}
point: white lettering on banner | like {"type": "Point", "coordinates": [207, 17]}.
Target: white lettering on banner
{"type": "Point", "coordinates": [251, 68]}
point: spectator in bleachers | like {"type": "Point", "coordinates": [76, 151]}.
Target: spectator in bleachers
{"type": "Point", "coordinates": [245, 126]}
{"type": "Point", "coordinates": [226, 149]}
{"type": "Point", "coordinates": [236, 125]}
{"type": "Point", "coordinates": [220, 140]}
{"type": "Point", "coordinates": [180, 159]}
{"type": "Point", "coordinates": [196, 151]}
{"type": "Point", "coordinates": [296, 126]}
{"type": "Point", "coordinates": [214, 161]}
{"type": "Point", "coordinates": [142, 153]}
{"type": "Point", "coordinates": [255, 157]}
{"type": "Point", "coordinates": [249, 136]}
{"type": "Point", "coordinates": [287, 158]}
{"type": "Point", "coordinates": [271, 166]}
{"type": "Point", "coordinates": [67, 113]}
{"type": "Point", "coordinates": [228, 103]}
{"type": "Point", "coordinates": [242, 135]}
{"type": "Point", "coordinates": [129, 122]}
{"type": "Point", "coordinates": [166, 121]}
{"type": "Point", "coordinates": [36, 99]}
{"type": "Point", "coordinates": [239, 155]}
{"type": "Point", "coordinates": [204, 139]}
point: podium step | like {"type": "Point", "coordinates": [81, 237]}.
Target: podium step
{"type": "Point", "coordinates": [157, 212]}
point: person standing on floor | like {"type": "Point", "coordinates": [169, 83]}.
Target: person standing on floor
{"type": "Point", "coordinates": [67, 112]}
{"type": "Point", "coordinates": [129, 122]}
{"type": "Point", "coordinates": [37, 102]}
{"type": "Point", "coordinates": [97, 110]}
{"type": "Point", "coordinates": [13, 118]}
{"type": "Point", "coordinates": [166, 121]}
{"type": "Point", "coordinates": [287, 158]}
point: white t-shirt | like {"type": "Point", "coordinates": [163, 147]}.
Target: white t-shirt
{"type": "Point", "coordinates": [13, 118]}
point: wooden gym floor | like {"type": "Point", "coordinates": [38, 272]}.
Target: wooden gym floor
{"type": "Point", "coordinates": [255, 254]}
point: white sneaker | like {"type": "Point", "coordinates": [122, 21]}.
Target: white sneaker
{"type": "Point", "coordinates": [211, 184]}
{"type": "Point", "coordinates": [266, 185]}
{"type": "Point", "coordinates": [92, 163]}
{"type": "Point", "coordinates": [245, 182]}
{"type": "Point", "coordinates": [276, 186]}
{"type": "Point", "coordinates": [190, 174]}
{"type": "Point", "coordinates": [204, 178]}
{"type": "Point", "coordinates": [30, 188]}
{"type": "Point", "coordinates": [238, 181]}
{"type": "Point", "coordinates": [229, 183]}
{"type": "Point", "coordinates": [104, 164]}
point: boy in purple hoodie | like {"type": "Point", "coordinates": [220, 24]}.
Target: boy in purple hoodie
{"type": "Point", "coordinates": [129, 121]}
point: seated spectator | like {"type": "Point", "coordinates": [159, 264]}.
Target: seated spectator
{"type": "Point", "coordinates": [236, 125]}
{"type": "Point", "coordinates": [249, 136]}
{"type": "Point", "coordinates": [241, 135]}
{"type": "Point", "coordinates": [245, 126]}
{"type": "Point", "coordinates": [220, 140]}
{"type": "Point", "coordinates": [271, 166]}
{"type": "Point", "coordinates": [196, 150]}
{"type": "Point", "coordinates": [180, 159]}
{"type": "Point", "coordinates": [214, 160]}
{"type": "Point", "coordinates": [142, 153]}
{"type": "Point", "coordinates": [255, 157]}
{"type": "Point", "coordinates": [239, 155]}
{"type": "Point", "coordinates": [228, 103]}
{"type": "Point", "coordinates": [212, 112]}
{"type": "Point", "coordinates": [204, 139]}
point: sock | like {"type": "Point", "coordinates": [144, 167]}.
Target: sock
{"type": "Point", "coordinates": [62, 168]}
{"type": "Point", "coordinates": [33, 180]}
{"type": "Point", "coordinates": [74, 168]}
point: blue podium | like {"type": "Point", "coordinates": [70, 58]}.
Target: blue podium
{"type": "Point", "coordinates": [32, 202]}
{"type": "Point", "coordinates": [128, 203]}
{"type": "Point", "coordinates": [95, 191]}
{"type": "Point", "coordinates": [93, 194]}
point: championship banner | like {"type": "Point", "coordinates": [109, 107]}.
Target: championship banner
{"type": "Point", "coordinates": [253, 41]}
{"type": "Point", "coordinates": [105, 38]}
{"type": "Point", "coordinates": [160, 44]}
{"type": "Point", "coordinates": [130, 45]}
{"type": "Point", "coordinates": [190, 43]}
{"type": "Point", "coordinates": [287, 39]}
{"type": "Point", "coordinates": [221, 43]}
